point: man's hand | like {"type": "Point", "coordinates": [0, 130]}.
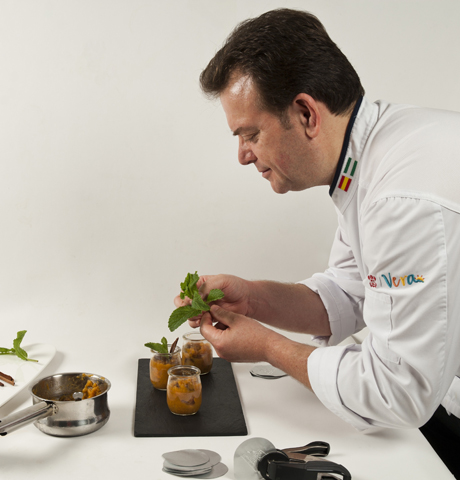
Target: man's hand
{"type": "Point", "coordinates": [292, 307]}
{"type": "Point", "coordinates": [238, 338]}
{"type": "Point", "coordinates": [235, 337]}
{"type": "Point", "coordinates": [236, 291]}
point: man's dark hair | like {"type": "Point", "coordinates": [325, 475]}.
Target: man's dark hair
{"type": "Point", "coordinates": [285, 52]}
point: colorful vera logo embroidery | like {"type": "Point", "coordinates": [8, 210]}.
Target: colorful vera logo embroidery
{"type": "Point", "coordinates": [345, 181]}
{"type": "Point", "coordinates": [396, 281]}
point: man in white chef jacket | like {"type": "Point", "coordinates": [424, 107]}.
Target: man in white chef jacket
{"type": "Point", "coordinates": [298, 109]}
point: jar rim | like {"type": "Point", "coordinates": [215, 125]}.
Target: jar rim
{"type": "Point", "coordinates": [176, 350]}
{"type": "Point", "coordinates": [188, 335]}
{"type": "Point", "coordinates": [184, 371]}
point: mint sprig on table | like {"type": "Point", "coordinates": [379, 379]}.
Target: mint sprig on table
{"type": "Point", "coordinates": [198, 306]}
{"type": "Point", "coordinates": [17, 350]}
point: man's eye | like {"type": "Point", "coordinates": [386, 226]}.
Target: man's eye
{"type": "Point", "coordinates": [252, 138]}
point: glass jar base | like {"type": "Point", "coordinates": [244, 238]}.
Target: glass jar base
{"type": "Point", "coordinates": [184, 414]}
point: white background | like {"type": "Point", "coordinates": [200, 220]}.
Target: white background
{"type": "Point", "coordinates": [117, 176]}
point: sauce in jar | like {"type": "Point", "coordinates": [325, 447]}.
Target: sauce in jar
{"type": "Point", "coordinates": [184, 392]}
{"type": "Point", "coordinates": [197, 351]}
{"type": "Point", "coordinates": [160, 363]}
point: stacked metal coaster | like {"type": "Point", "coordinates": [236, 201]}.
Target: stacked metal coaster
{"type": "Point", "coordinates": [194, 464]}
{"type": "Point", "coordinates": [265, 370]}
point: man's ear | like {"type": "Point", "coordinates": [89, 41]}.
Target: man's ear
{"type": "Point", "coordinates": [307, 110]}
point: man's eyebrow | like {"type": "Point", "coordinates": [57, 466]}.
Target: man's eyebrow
{"type": "Point", "coordinates": [241, 130]}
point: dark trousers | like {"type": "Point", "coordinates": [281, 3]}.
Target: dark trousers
{"type": "Point", "coordinates": [443, 433]}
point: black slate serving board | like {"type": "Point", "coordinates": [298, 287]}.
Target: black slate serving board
{"type": "Point", "coordinates": [220, 413]}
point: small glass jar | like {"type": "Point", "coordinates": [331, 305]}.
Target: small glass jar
{"type": "Point", "coordinates": [183, 394]}
{"type": "Point", "coordinates": [160, 363]}
{"type": "Point", "coordinates": [197, 351]}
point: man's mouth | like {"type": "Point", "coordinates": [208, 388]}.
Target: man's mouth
{"type": "Point", "coordinates": [266, 173]}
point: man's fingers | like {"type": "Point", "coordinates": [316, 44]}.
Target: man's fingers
{"type": "Point", "coordinates": [206, 327]}
{"type": "Point", "coordinates": [222, 316]}
{"type": "Point", "coordinates": [178, 302]}
{"type": "Point", "coordinates": [222, 320]}
{"type": "Point", "coordinates": [220, 326]}
{"type": "Point", "coordinates": [204, 286]}
{"type": "Point", "coordinates": [195, 322]}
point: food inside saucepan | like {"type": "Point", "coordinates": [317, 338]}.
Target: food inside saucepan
{"type": "Point", "coordinates": [197, 351]}
{"type": "Point", "coordinates": [184, 393]}
{"type": "Point", "coordinates": [89, 386]}
{"type": "Point", "coordinates": [90, 390]}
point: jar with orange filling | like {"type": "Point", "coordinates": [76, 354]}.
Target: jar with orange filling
{"type": "Point", "coordinates": [197, 351]}
{"type": "Point", "coordinates": [184, 394]}
{"type": "Point", "coordinates": [160, 363]}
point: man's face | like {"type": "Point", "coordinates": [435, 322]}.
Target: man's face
{"type": "Point", "coordinates": [284, 156]}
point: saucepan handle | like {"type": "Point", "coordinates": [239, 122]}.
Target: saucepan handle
{"type": "Point", "coordinates": [26, 416]}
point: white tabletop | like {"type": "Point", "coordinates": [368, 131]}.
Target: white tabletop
{"type": "Point", "coordinates": [282, 411]}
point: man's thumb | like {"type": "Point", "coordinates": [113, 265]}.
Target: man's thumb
{"type": "Point", "coordinates": [221, 315]}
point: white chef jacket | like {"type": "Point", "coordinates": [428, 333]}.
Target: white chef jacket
{"type": "Point", "coordinates": [395, 268]}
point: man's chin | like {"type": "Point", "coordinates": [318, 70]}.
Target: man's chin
{"type": "Point", "coordinates": [280, 189]}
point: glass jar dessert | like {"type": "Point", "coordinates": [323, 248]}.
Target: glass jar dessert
{"type": "Point", "coordinates": [184, 393]}
{"type": "Point", "coordinates": [160, 363]}
{"type": "Point", "coordinates": [197, 351]}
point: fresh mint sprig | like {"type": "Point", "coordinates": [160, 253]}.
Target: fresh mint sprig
{"type": "Point", "coordinates": [198, 306]}
{"type": "Point", "coordinates": [158, 347]}
{"type": "Point", "coordinates": [188, 286]}
{"type": "Point", "coordinates": [17, 350]}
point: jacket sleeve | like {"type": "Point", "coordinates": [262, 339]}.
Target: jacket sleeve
{"type": "Point", "coordinates": [402, 371]}
{"type": "Point", "coordinates": [341, 290]}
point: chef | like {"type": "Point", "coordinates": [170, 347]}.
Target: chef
{"type": "Point", "coordinates": [299, 111]}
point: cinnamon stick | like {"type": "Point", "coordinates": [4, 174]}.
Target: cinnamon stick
{"type": "Point", "coordinates": [173, 346]}
{"type": "Point", "coordinates": [6, 378]}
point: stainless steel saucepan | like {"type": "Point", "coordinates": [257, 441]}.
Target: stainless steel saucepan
{"type": "Point", "coordinates": [58, 409]}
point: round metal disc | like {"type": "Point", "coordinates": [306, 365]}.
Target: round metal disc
{"type": "Point", "coordinates": [247, 457]}
{"type": "Point", "coordinates": [186, 458]}
{"type": "Point", "coordinates": [217, 471]}
{"type": "Point", "coordinates": [265, 370]}
{"type": "Point", "coordinates": [214, 457]}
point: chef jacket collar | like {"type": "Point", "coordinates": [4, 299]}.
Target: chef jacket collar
{"type": "Point", "coordinates": [346, 141]}
{"type": "Point", "coordinates": [362, 120]}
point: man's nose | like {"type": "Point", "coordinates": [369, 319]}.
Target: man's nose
{"type": "Point", "coordinates": [245, 154]}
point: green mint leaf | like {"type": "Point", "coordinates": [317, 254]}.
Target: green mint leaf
{"type": "Point", "coordinates": [181, 315]}
{"type": "Point", "coordinates": [22, 354]}
{"type": "Point", "coordinates": [158, 347]}
{"type": "Point", "coordinates": [164, 342]}
{"type": "Point", "coordinates": [17, 350]}
{"type": "Point", "coordinates": [188, 286]}
{"type": "Point", "coordinates": [190, 290]}
{"type": "Point", "coordinates": [199, 303]}
{"type": "Point", "coordinates": [214, 295]}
